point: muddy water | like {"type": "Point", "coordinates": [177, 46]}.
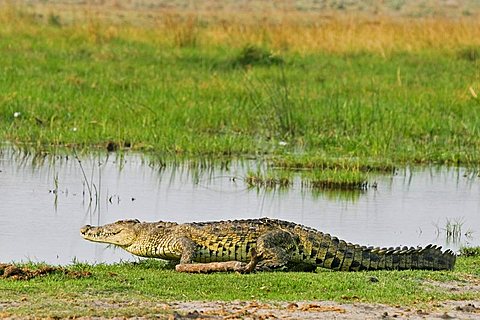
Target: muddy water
{"type": "Point", "coordinates": [45, 201]}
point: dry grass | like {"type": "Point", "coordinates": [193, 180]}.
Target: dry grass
{"type": "Point", "coordinates": [279, 30]}
{"type": "Point", "coordinates": [342, 35]}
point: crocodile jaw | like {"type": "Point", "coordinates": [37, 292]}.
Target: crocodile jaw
{"type": "Point", "coordinates": [120, 233]}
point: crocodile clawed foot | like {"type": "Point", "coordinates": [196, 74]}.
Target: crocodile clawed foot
{"type": "Point", "coordinates": [270, 268]}
{"type": "Point", "coordinates": [269, 265]}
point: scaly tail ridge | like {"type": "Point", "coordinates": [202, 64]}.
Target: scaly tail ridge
{"type": "Point", "coordinates": [339, 255]}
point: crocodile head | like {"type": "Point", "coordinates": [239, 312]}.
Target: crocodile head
{"type": "Point", "coordinates": [121, 233]}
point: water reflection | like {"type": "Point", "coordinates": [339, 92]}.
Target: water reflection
{"type": "Point", "coordinates": [46, 199]}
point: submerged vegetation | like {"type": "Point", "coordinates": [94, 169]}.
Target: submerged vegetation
{"type": "Point", "coordinates": [315, 180]}
{"type": "Point", "coordinates": [453, 230]}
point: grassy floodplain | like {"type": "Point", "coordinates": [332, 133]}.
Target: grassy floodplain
{"type": "Point", "coordinates": [304, 89]}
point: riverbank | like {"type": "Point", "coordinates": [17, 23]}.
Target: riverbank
{"type": "Point", "coordinates": [151, 288]}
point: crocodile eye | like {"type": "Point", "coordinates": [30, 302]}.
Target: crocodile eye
{"type": "Point", "coordinates": [135, 221]}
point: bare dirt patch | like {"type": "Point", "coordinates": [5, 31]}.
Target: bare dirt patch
{"type": "Point", "coordinates": [322, 310]}
{"type": "Point", "coordinates": [468, 284]}
{"type": "Point", "coordinates": [269, 310]}
{"type": "Point", "coordinates": [455, 286]}
{"type": "Point", "coordinates": [310, 310]}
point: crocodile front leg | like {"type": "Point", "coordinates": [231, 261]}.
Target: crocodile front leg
{"type": "Point", "coordinates": [188, 247]}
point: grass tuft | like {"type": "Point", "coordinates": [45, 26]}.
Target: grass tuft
{"type": "Point", "coordinates": [313, 180]}
{"type": "Point", "coordinates": [54, 20]}
{"type": "Point", "coordinates": [324, 163]}
{"type": "Point", "coordinates": [268, 181]}
{"type": "Point", "coordinates": [453, 230]}
{"type": "Point", "coordinates": [337, 180]}
{"type": "Point", "coordinates": [469, 53]}
{"type": "Point", "coordinates": [470, 251]}
{"type": "Point", "coordinates": [252, 55]}
{"type": "Point", "coordinates": [184, 30]}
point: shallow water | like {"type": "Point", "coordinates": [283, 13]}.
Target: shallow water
{"type": "Point", "coordinates": [45, 201]}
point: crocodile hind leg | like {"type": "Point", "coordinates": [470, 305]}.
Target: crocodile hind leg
{"type": "Point", "coordinates": [187, 248]}
{"type": "Point", "coordinates": [276, 248]}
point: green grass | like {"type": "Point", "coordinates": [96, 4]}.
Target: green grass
{"type": "Point", "coordinates": [140, 288]}
{"type": "Point", "coordinates": [309, 180]}
{"type": "Point", "coordinates": [336, 179]}
{"type": "Point", "coordinates": [309, 162]}
{"type": "Point", "coordinates": [470, 251]}
{"type": "Point", "coordinates": [64, 86]}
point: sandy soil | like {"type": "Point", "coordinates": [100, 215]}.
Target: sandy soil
{"type": "Point", "coordinates": [322, 310]}
{"type": "Point", "coordinates": [283, 310]}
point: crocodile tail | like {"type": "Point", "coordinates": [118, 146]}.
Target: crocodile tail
{"type": "Point", "coordinates": [339, 255]}
{"type": "Point", "coordinates": [429, 258]}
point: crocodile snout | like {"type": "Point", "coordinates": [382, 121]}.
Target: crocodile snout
{"type": "Point", "coordinates": [85, 229]}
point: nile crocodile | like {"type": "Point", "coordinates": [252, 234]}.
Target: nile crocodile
{"type": "Point", "coordinates": [279, 244]}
